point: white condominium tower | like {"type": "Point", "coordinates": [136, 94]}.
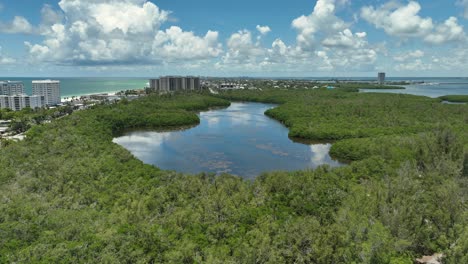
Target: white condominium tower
{"type": "Point", "coordinates": [10, 88]}
{"type": "Point", "coordinates": [18, 102]}
{"type": "Point", "coordinates": [49, 89]}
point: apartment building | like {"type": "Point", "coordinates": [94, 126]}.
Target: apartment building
{"type": "Point", "coordinates": [50, 89]}
{"type": "Point", "coordinates": [18, 102]}
{"type": "Point", "coordinates": [9, 88]}
{"type": "Point", "coordinates": [175, 83]}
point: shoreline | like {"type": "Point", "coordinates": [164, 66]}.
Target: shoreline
{"type": "Point", "coordinates": [69, 97]}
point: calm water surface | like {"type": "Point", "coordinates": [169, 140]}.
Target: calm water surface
{"type": "Point", "coordinates": [433, 87]}
{"type": "Point", "coordinates": [239, 140]}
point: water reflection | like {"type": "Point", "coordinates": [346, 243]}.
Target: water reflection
{"type": "Point", "coordinates": [239, 140]}
{"type": "Point", "coordinates": [320, 153]}
{"type": "Point", "coordinates": [432, 88]}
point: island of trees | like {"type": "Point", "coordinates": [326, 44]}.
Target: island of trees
{"type": "Point", "coordinates": [70, 195]}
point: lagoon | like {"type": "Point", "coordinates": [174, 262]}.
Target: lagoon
{"type": "Point", "coordinates": [239, 140]}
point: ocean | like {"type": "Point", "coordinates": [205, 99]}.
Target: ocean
{"type": "Point", "coordinates": [81, 86]}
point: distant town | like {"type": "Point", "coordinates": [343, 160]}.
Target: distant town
{"type": "Point", "coordinates": [46, 94]}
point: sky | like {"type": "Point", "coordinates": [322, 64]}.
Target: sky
{"type": "Point", "coordinates": [258, 38]}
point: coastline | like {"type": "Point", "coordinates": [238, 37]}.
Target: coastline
{"type": "Point", "coordinates": [69, 97]}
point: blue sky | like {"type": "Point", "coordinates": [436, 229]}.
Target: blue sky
{"type": "Point", "coordinates": [298, 38]}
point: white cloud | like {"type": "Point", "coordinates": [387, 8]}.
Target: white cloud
{"type": "Point", "coordinates": [398, 20]}
{"type": "Point", "coordinates": [409, 55]}
{"type": "Point", "coordinates": [263, 29]}
{"type": "Point", "coordinates": [324, 43]}
{"type": "Point", "coordinates": [404, 21]}
{"type": "Point", "coordinates": [329, 41]}
{"type": "Point", "coordinates": [322, 19]}
{"type": "Point", "coordinates": [361, 34]}
{"type": "Point", "coordinates": [19, 25]}
{"type": "Point", "coordinates": [177, 44]}
{"type": "Point", "coordinates": [116, 32]}
{"type": "Point", "coordinates": [346, 39]}
{"type": "Point", "coordinates": [449, 31]}
{"type": "Point", "coordinates": [357, 60]}
{"type": "Point", "coordinates": [242, 50]}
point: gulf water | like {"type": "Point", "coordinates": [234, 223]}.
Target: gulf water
{"type": "Point", "coordinates": [80, 86]}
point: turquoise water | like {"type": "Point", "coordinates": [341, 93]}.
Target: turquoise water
{"type": "Point", "coordinates": [81, 86]}
{"type": "Point", "coordinates": [239, 140]}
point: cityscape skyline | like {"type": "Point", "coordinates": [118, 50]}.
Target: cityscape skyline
{"type": "Point", "coordinates": [136, 38]}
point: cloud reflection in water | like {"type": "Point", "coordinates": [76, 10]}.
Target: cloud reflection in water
{"type": "Point", "coordinates": [239, 140]}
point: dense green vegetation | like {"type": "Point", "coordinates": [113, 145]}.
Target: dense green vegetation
{"type": "Point", "coordinates": [27, 117]}
{"type": "Point", "coordinates": [367, 86]}
{"type": "Point", "coordinates": [336, 115]}
{"type": "Point", "coordinates": [455, 98]}
{"type": "Point", "coordinates": [70, 195]}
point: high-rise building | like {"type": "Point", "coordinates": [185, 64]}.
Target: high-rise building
{"type": "Point", "coordinates": [175, 83]}
{"type": "Point", "coordinates": [49, 89]}
{"type": "Point", "coordinates": [154, 84]}
{"type": "Point", "coordinates": [381, 78]}
{"type": "Point", "coordinates": [9, 88]}
{"type": "Point", "coordinates": [18, 102]}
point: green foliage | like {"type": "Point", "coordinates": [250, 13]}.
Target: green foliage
{"type": "Point", "coordinates": [455, 98]}
{"type": "Point", "coordinates": [336, 115]}
{"type": "Point", "coordinates": [68, 194]}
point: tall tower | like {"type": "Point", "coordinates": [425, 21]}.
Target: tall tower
{"type": "Point", "coordinates": [381, 78]}
{"type": "Point", "coordinates": [49, 89]}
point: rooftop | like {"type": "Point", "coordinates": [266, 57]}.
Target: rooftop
{"type": "Point", "coordinates": [13, 82]}
{"type": "Point", "coordinates": [45, 81]}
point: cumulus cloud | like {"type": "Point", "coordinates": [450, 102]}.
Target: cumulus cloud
{"type": "Point", "coordinates": [127, 16]}
{"type": "Point", "coordinates": [263, 29]}
{"type": "Point", "coordinates": [449, 31]}
{"type": "Point", "coordinates": [116, 32]}
{"type": "Point", "coordinates": [242, 49]}
{"type": "Point", "coordinates": [404, 21]}
{"type": "Point", "coordinates": [324, 42]}
{"type": "Point", "coordinates": [19, 25]}
{"type": "Point", "coordinates": [329, 40]}
{"type": "Point", "coordinates": [174, 43]}
{"type": "Point", "coordinates": [346, 39]}
{"type": "Point", "coordinates": [357, 60]}
{"type": "Point", "coordinates": [322, 19]}
{"type": "Point", "coordinates": [398, 20]}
